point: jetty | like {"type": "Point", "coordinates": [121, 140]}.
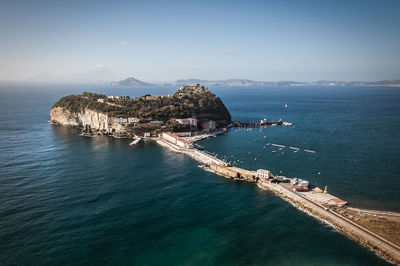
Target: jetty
{"type": "Point", "coordinates": [316, 202]}
{"type": "Point", "coordinates": [262, 123]}
{"type": "Point", "coordinates": [136, 141]}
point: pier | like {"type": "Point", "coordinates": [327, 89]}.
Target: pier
{"type": "Point", "coordinates": [136, 141]}
{"type": "Point", "coordinates": [263, 123]}
{"type": "Point", "coordinates": [320, 207]}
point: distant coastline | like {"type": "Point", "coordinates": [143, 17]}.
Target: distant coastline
{"type": "Point", "coordinates": [105, 76]}
{"type": "Point", "coordinates": [133, 82]}
{"type": "Point", "coordinates": [247, 82]}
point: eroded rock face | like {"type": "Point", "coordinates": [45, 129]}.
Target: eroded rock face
{"type": "Point", "coordinates": [95, 120]}
{"type": "Point", "coordinates": [61, 116]}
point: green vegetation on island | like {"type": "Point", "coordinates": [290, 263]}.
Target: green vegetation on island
{"type": "Point", "coordinates": [189, 101]}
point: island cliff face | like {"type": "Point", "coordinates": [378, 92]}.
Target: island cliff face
{"type": "Point", "coordinates": [82, 119]}
{"type": "Point", "coordinates": [191, 108]}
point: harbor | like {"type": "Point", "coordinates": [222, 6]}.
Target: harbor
{"type": "Point", "coordinates": [300, 193]}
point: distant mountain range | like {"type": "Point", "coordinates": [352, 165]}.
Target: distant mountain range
{"type": "Point", "coordinates": [130, 82]}
{"type": "Point", "coordinates": [105, 76]}
{"type": "Point", "coordinates": [247, 82]}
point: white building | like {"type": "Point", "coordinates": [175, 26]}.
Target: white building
{"type": "Point", "coordinates": [133, 120]}
{"type": "Point", "coordinates": [114, 97]}
{"type": "Point", "coordinates": [168, 136]}
{"type": "Point", "coordinates": [100, 100]}
{"type": "Point", "coordinates": [184, 143]}
{"type": "Point", "coordinates": [120, 120]}
{"type": "Point", "coordinates": [187, 121]}
{"type": "Point", "coordinates": [263, 174]}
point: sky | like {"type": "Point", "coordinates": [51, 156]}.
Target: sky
{"type": "Point", "coordinates": [169, 40]}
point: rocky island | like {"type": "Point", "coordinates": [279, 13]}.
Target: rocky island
{"type": "Point", "coordinates": [132, 82]}
{"type": "Point", "coordinates": [189, 109]}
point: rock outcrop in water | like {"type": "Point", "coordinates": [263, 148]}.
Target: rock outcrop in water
{"type": "Point", "coordinates": [123, 116]}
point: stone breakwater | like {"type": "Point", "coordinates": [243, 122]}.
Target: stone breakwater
{"type": "Point", "coordinates": [379, 245]}
{"type": "Point", "coordinates": [376, 243]}
{"type": "Point", "coordinates": [199, 156]}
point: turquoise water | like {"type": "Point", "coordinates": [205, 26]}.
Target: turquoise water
{"type": "Point", "coordinates": [71, 200]}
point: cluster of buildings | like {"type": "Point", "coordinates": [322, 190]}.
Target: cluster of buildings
{"type": "Point", "coordinates": [187, 121]}
{"type": "Point", "coordinates": [118, 123]}
{"type": "Point", "coordinates": [204, 126]}
{"type": "Point", "coordinates": [118, 97]}
{"type": "Point", "coordinates": [201, 125]}
{"type": "Point", "coordinates": [315, 194]}
{"type": "Point", "coordinates": [266, 176]}
{"type": "Point", "coordinates": [129, 120]}
{"type": "Point", "coordinates": [300, 185]}
{"type": "Point", "coordinates": [114, 97]}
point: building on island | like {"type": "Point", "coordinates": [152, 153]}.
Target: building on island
{"type": "Point", "coordinates": [300, 185]}
{"type": "Point", "coordinates": [129, 120]}
{"type": "Point", "coordinates": [114, 97]}
{"type": "Point", "coordinates": [100, 100]}
{"type": "Point", "coordinates": [209, 125]}
{"type": "Point", "coordinates": [120, 120]}
{"type": "Point", "coordinates": [263, 175]}
{"type": "Point", "coordinates": [174, 139]}
{"type": "Point", "coordinates": [187, 121]}
{"type": "Point", "coordinates": [133, 120]}
{"type": "Point", "coordinates": [150, 97]}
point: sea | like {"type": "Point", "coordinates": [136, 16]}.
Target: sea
{"type": "Point", "coordinates": [72, 200]}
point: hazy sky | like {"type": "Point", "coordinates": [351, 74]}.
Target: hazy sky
{"type": "Point", "coordinates": [168, 40]}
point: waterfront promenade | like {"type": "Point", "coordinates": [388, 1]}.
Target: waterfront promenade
{"type": "Point", "coordinates": [373, 241]}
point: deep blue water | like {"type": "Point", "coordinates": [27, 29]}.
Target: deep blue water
{"type": "Point", "coordinates": [71, 200]}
